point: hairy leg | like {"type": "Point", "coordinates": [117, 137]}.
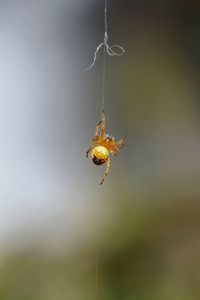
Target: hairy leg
{"type": "Point", "coordinates": [95, 138]}
{"type": "Point", "coordinates": [122, 142]}
{"type": "Point", "coordinates": [106, 171]}
{"type": "Point", "coordinates": [88, 151]}
{"type": "Point", "coordinates": [118, 146]}
{"type": "Point", "coordinates": [96, 134]}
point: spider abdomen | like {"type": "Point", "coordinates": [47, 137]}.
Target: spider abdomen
{"type": "Point", "coordinates": [99, 155]}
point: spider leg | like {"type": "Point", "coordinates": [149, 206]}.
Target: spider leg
{"type": "Point", "coordinates": [122, 142]}
{"type": "Point", "coordinates": [113, 152]}
{"type": "Point", "coordinates": [96, 134]}
{"type": "Point", "coordinates": [88, 151]}
{"type": "Point", "coordinates": [106, 171]}
{"type": "Point", "coordinates": [103, 125]}
{"type": "Point", "coordinates": [119, 145]}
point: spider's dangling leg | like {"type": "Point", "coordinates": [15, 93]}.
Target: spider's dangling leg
{"type": "Point", "coordinates": [106, 171]}
{"type": "Point", "coordinates": [122, 142]}
{"type": "Point", "coordinates": [88, 151]}
{"type": "Point", "coordinates": [103, 125]}
{"type": "Point", "coordinates": [96, 134]}
{"type": "Point", "coordinates": [119, 145]}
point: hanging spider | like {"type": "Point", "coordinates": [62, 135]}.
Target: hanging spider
{"type": "Point", "coordinates": [102, 145]}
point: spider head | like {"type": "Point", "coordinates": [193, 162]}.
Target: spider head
{"type": "Point", "coordinates": [109, 138]}
{"type": "Point", "coordinates": [99, 155]}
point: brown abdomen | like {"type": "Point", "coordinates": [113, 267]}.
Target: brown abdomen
{"type": "Point", "coordinates": [98, 161]}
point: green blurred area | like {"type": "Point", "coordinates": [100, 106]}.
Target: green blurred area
{"type": "Point", "coordinates": [148, 215]}
{"type": "Point", "coordinates": [148, 254]}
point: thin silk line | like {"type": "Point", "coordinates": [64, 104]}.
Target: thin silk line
{"type": "Point", "coordinates": [113, 50]}
{"type": "Point", "coordinates": [103, 79]}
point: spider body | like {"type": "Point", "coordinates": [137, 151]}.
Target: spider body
{"type": "Point", "coordinates": [99, 155]}
{"type": "Point", "coordinates": [103, 145]}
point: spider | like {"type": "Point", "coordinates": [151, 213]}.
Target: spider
{"type": "Point", "coordinates": [102, 145]}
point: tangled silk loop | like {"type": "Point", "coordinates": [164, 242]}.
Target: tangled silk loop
{"type": "Point", "coordinates": [113, 50]}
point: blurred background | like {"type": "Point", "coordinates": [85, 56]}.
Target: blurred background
{"type": "Point", "coordinates": [53, 212]}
